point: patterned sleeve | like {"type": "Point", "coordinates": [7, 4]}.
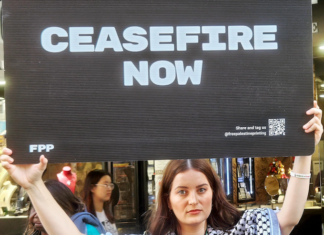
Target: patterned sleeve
{"type": "Point", "coordinates": [262, 221]}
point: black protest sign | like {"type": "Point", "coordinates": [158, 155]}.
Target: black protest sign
{"type": "Point", "coordinates": [138, 80]}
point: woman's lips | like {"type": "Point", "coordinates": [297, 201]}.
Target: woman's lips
{"type": "Point", "coordinates": [36, 221]}
{"type": "Point", "coordinates": [194, 212]}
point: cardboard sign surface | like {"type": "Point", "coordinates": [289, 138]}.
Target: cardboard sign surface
{"type": "Point", "coordinates": [138, 80]}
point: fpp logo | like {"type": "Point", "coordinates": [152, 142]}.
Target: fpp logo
{"type": "Point", "coordinates": [40, 147]}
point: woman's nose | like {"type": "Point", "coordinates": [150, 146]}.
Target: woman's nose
{"type": "Point", "coordinates": [35, 215]}
{"type": "Point", "coordinates": [31, 216]}
{"type": "Point", "coordinates": [193, 199]}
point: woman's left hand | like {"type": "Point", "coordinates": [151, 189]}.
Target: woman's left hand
{"type": "Point", "coordinates": [297, 191]}
{"type": "Point", "coordinates": [315, 123]}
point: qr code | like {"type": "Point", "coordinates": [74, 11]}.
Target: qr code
{"type": "Point", "coordinates": [277, 127]}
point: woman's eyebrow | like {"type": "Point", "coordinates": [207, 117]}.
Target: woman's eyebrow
{"type": "Point", "coordinates": [181, 187]}
{"type": "Point", "coordinates": [196, 186]}
{"type": "Point", "coordinates": [201, 185]}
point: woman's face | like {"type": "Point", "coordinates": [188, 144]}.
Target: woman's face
{"type": "Point", "coordinates": [34, 220]}
{"type": "Point", "coordinates": [191, 198]}
{"type": "Point", "coordinates": [100, 191]}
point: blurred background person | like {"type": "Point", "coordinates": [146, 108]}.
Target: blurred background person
{"type": "Point", "coordinates": [97, 198]}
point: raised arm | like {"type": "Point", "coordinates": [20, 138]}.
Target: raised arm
{"type": "Point", "coordinates": [52, 216]}
{"type": "Point", "coordinates": [297, 191]}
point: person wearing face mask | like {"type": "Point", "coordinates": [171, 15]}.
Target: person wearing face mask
{"type": "Point", "coordinates": [97, 194]}
{"type": "Point", "coordinates": [191, 200]}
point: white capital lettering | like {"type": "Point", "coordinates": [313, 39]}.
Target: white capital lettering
{"type": "Point", "coordinates": [49, 147]}
{"type": "Point", "coordinates": [260, 37]}
{"type": "Point", "coordinates": [184, 74]}
{"type": "Point", "coordinates": [157, 37]}
{"type": "Point", "coordinates": [132, 34]}
{"type": "Point", "coordinates": [76, 39]}
{"type": "Point", "coordinates": [102, 43]}
{"type": "Point", "coordinates": [32, 148]}
{"type": "Point", "coordinates": [183, 38]}
{"type": "Point", "coordinates": [130, 72]}
{"type": "Point", "coordinates": [46, 39]}
{"type": "Point", "coordinates": [41, 147]}
{"type": "Point", "coordinates": [155, 73]}
{"type": "Point", "coordinates": [234, 38]}
{"type": "Point", "coordinates": [214, 44]}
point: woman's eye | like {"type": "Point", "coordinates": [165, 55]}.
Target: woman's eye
{"type": "Point", "coordinates": [182, 192]}
{"type": "Point", "coordinates": [202, 190]}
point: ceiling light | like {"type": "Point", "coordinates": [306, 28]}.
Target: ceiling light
{"type": "Point", "coordinates": [322, 96]}
{"type": "Point", "coordinates": [321, 47]}
{"type": "Point", "coordinates": [2, 83]}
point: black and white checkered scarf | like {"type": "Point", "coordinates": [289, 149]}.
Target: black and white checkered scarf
{"type": "Point", "coordinates": [261, 221]}
{"type": "Point", "coordinates": [253, 222]}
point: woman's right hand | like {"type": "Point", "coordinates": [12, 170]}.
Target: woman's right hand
{"type": "Point", "coordinates": [26, 175]}
{"type": "Point", "coordinates": [53, 217]}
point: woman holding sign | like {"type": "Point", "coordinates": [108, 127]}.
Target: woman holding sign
{"type": "Point", "coordinates": [192, 203]}
{"type": "Point", "coordinates": [191, 199]}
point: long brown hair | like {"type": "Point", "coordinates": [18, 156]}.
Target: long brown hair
{"type": "Point", "coordinates": [93, 178]}
{"type": "Point", "coordinates": [64, 197]}
{"type": "Point", "coordinates": [223, 215]}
